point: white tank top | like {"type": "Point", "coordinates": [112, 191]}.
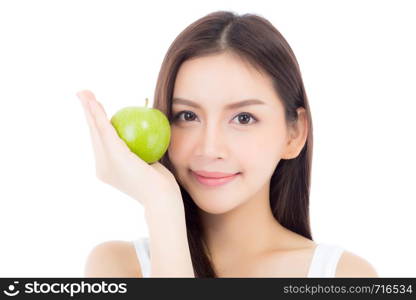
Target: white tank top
{"type": "Point", "coordinates": [324, 261]}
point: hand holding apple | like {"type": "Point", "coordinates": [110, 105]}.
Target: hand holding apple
{"type": "Point", "coordinates": [118, 166]}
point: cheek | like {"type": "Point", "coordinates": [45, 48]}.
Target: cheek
{"type": "Point", "coordinates": [263, 146]}
{"type": "Point", "coordinates": [259, 160]}
{"type": "Point", "coordinates": [179, 149]}
{"type": "Point", "coordinates": [260, 155]}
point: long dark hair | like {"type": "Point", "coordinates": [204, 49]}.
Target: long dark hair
{"type": "Point", "coordinates": [257, 41]}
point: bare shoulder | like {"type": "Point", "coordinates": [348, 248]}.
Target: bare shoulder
{"type": "Point", "coordinates": [113, 259]}
{"type": "Point", "coordinates": [352, 265]}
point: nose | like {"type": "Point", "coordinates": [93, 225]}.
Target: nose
{"type": "Point", "coordinates": [211, 143]}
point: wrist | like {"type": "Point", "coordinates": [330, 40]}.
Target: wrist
{"type": "Point", "coordinates": [164, 207]}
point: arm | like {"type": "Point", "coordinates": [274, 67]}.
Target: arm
{"type": "Point", "coordinates": [153, 185]}
{"type": "Point", "coordinates": [168, 242]}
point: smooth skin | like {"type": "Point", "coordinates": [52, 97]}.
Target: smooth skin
{"type": "Point", "coordinates": [243, 237]}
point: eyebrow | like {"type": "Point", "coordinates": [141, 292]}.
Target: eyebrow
{"type": "Point", "coordinates": [234, 105]}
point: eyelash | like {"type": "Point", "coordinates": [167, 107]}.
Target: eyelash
{"type": "Point", "coordinates": [176, 117]}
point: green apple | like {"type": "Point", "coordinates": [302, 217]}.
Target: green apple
{"type": "Point", "coordinates": [145, 130]}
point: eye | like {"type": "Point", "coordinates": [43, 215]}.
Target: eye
{"type": "Point", "coordinates": [244, 117]}
{"type": "Point", "coordinates": [187, 114]}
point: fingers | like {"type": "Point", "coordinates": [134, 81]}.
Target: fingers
{"type": "Point", "coordinates": [103, 128]}
{"type": "Point", "coordinates": [95, 135]}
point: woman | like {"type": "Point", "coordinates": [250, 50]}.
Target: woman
{"type": "Point", "coordinates": [230, 197]}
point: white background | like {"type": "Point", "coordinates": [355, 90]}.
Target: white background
{"type": "Point", "coordinates": [358, 64]}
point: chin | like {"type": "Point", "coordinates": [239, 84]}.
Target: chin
{"type": "Point", "coordinates": [215, 207]}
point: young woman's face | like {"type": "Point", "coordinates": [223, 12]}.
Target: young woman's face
{"type": "Point", "coordinates": [248, 140]}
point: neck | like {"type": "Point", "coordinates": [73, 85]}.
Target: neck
{"type": "Point", "coordinates": [247, 230]}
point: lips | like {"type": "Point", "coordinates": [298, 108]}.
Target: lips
{"type": "Point", "coordinates": [213, 174]}
{"type": "Point", "coordinates": [220, 179]}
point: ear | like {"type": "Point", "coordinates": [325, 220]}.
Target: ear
{"type": "Point", "coordinates": [297, 134]}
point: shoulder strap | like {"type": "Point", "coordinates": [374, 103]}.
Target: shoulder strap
{"type": "Point", "coordinates": [143, 255]}
{"type": "Point", "coordinates": [325, 260]}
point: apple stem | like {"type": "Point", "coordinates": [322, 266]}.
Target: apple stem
{"type": "Point", "coordinates": [147, 101]}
